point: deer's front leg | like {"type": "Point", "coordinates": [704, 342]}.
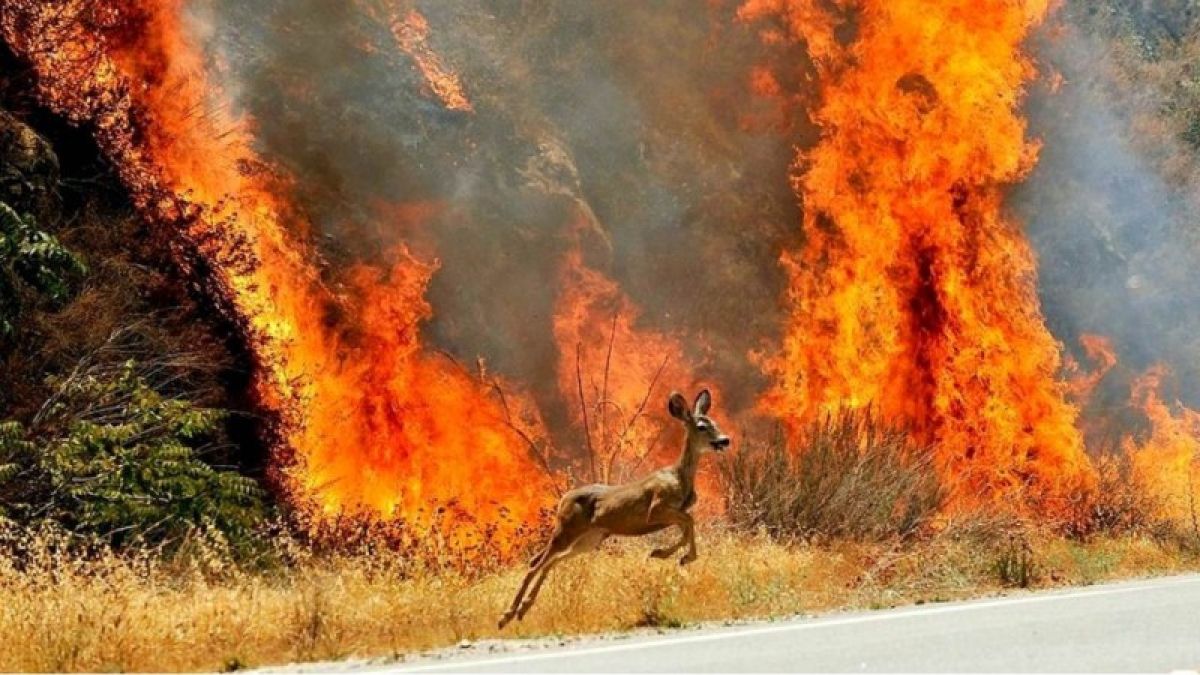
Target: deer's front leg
{"type": "Point", "coordinates": [689, 535]}
{"type": "Point", "coordinates": [686, 532]}
{"type": "Point", "coordinates": [668, 551]}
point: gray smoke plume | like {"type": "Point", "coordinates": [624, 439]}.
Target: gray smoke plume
{"type": "Point", "coordinates": [629, 116]}
{"type": "Point", "coordinates": [1114, 233]}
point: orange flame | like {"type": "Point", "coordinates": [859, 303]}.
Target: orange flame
{"type": "Point", "coordinates": [616, 374]}
{"type": "Point", "coordinates": [395, 429]}
{"type": "Point", "coordinates": [410, 29]}
{"type": "Point", "coordinates": [1100, 352]}
{"type": "Point", "coordinates": [376, 424]}
{"type": "Point", "coordinates": [913, 292]}
{"type": "Point", "coordinates": [1166, 457]}
{"type": "Point", "coordinates": [1167, 462]}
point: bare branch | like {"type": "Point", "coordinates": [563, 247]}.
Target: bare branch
{"type": "Point", "coordinates": [587, 432]}
{"type": "Point", "coordinates": [641, 409]}
{"type": "Point", "coordinates": [534, 450]}
{"type": "Point", "coordinates": [604, 437]}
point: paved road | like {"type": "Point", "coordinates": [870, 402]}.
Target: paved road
{"type": "Point", "coordinates": [1148, 626]}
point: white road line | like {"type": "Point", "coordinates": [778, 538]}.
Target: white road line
{"type": "Point", "coordinates": [888, 615]}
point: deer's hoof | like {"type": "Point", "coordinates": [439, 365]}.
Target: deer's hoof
{"type": "Point", "coordinates": [660, 553]}
{"type": "Point", "coordinates": [504, 620]}
{"type": "Point", "coordinates": [689, 558]}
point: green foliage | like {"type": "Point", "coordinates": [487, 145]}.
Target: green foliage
{"type": "Point", "coordinates": [127, 465]}
{"type": "Point", "coordinates": [33, 259]}
{"type": "Point", "coordinates": [1191, 131]}
{"type": "Point", "coordinates": [13, 449]}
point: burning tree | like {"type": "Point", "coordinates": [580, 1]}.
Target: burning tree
{"type": "Point", "coordinates": [367, 420]}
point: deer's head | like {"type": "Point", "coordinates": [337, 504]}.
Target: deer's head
{"type": "Point", "coordinates": [702, 431]}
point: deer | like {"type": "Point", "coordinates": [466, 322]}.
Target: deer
{"type": "Point", "coordinates": [588, 515]}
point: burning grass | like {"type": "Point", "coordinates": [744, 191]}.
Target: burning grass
{"type": "Point", "coordinates": [103, 611]}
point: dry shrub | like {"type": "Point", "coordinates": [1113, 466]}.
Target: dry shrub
{"type": "Point", "coordinates": [846, 476]}
{"type": "Point", "coordinates": [1121, 504]}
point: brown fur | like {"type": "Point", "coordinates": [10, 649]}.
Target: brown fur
{"type": "Point", "coordinates": [588, 515]}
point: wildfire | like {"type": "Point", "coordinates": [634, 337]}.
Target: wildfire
{"type": "Point", "coordinates": [913, 292]}
{"type": "Point", "coordinates": [1165, 456]}
{"type": "Point", "coordinates": [411, 32]}
{"type": "Point", "coordinates": [615, 373]}
{"type": "Point", "coordinates": [1167, 462]}
{"type": "Point", "coordinates": [399, 430]}
{"type": "Point", "coordinates": [376, 423]}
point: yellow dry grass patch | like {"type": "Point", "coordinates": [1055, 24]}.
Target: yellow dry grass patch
{"type": "Point", "coordinates": [113, 613]}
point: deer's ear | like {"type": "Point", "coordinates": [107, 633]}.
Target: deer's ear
{"type": "Point", "coordinates": [677, 406]}
{"type": "Point", "coordinates": [703, 403]}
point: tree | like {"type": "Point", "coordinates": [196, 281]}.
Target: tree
{"type": "Point", "coordinates": [118, 459]}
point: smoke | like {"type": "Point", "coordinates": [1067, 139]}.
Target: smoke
{"type": "Point", "coordinates": [631, 116]}
{"type": "Point", "coordinates": [1112, 227]}
{"type": "Point", "coordinates": [636, 119]}
{"type": "Point", "coordinates": [565, 161]}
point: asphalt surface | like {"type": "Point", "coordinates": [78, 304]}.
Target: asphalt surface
{"type": "Point", "coordinates": [1144, 626]}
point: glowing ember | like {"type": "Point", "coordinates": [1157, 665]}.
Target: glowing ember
{"type": "Point", "coordinates": [411, 31]}
{"type": "Point", "coordinates": [913, 292]}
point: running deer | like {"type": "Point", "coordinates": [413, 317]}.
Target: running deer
{"type": "Point", "coordinates": [589, 515]}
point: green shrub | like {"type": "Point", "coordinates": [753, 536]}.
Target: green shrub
{"type": "Point", "coordinates": [31, 260]}
{"type": "Point", "coordinates": [14, 449]}
{"type": "Point", "coordinates": [848, 475]}
{"type": "Point", "coordinates": [113, 457]}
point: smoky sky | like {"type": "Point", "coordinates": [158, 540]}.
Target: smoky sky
{"type": "Point", "coordinates": [1116, 242]}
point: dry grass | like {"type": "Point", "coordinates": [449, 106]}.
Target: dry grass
{"type": "Point", "coordinates": [853, 522]}
{"type": "Point", "coordinates": [62, 612]}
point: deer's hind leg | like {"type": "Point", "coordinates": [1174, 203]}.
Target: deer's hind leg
{"type": "Point", "coordinates": [566, 533]}
{"type": "Point", "coordinates": [535, 566]}
{"type": "Point", "coordinates": [588, 541]}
